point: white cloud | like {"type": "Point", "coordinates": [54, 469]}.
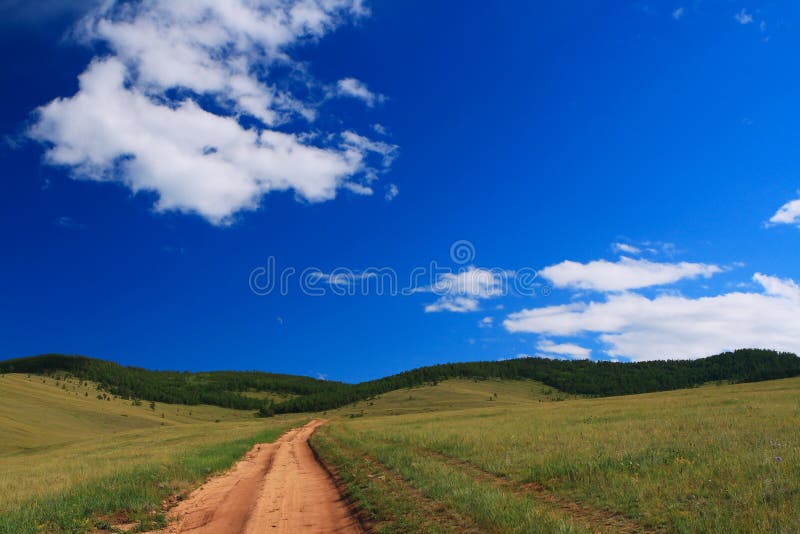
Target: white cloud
{"type": "Point", "coordinates": [197, 161]}
{"type": "Point", "coordinates": [667, 326]}
{"type": "Point", "coordinates": [391, 192]}
{"type": "Point", "coordinates": [353, 88]}
{"type": "Point", "coordinates": [743, 17]}
{"type": "Point", "coordinates": [778, 287]}
{"type": "Point", "coordinates": [380, 129]}
{"type": "Point", "coordinates": [625, 248]}
{"type": "Point", "coordinates": [564, 349]}
{"type": "Point", "coordinates": [789, 213]}
{"type": "Point", "coordinates": [486, 322]}
{"type": "Point", "coordinates": [126, 123]}
{"type": "Point", "coordinates": [358, 189]}
{"type": "Point", "coordinates": [461, 291]}
{"type": "Point", "coordinates": [453, 304]}
{"type": "Point", "coordinates": [474, 281]}
{"type": "Point", "coordinates": [678, 13]}
{"type": "Point", "coordinates": [361, 144]}
{"type": "Point", "coordinates": [625, 274]}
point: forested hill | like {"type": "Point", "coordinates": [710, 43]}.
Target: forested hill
{"type": "Point", "coordinates": [219, 388]}
{"type": "Point", "coordinates": [584, 377]}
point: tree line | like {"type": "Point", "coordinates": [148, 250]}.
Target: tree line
{"type": "Point", "coordinates": [582, 377]}
{"type": "Point", "coordinates": [218, 388]}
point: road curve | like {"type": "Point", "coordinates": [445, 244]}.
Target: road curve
{"type": "Point", "coordinates": [277, 488]}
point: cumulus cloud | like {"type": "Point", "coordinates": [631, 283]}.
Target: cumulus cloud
{"type": "Point", "coordinates": [789, 213]}
{"type": "Point", "coordinates": [473, 281]}
{"type": "Point", "coordinates": [196, 102]}
{"type": "Point", "coordinates": [353, 88]}
{"type": "Point", "coordinates": [668, 326]}
{"type": "Point", "coordinates": [462, 291]}
{"type": "Point", "coordinates": [195, 160]}
{"type": "Point", "coordinates": [486, 322]}
{"type": "Point", "coordinates": [564, 349]}
{"type": "Point", "coordinates": [625, 274]}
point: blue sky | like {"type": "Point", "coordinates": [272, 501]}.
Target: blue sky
{"type": "Point", "coordinates": [640, 158]}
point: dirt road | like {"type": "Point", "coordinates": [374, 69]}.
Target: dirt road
{"type": "Point", "coordinates": [277, 487]}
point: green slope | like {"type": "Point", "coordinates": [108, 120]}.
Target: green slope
{"type": "Point", "coordinates": [42, 412]}
{"type": "Point", "coordinates": [74, 463]}
{"type": "Point", "coordinates": [293, 394]}
{"type": "Point", "coordinates": [228, 389]}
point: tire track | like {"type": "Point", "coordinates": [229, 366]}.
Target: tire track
{"type": "Point", "coordinates": [596, 519]}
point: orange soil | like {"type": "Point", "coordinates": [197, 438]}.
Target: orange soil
{"type": "Point", "coordinates": [277, 487]}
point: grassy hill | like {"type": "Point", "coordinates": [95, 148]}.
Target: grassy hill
{"type": "Point", "coordinates": [75, 456]}
{"type": "Point", "coordinates": [68, 457]}
{"type": "Point", "coordinates": [275, 393]}
{"type": "Point", "coordinates": [460, 454]}
{"type": "Point", "coordinates": [454, 394]}
{"type": "Point", "coordinates": [42, 411]}
{"type": "Point", "coordinates": [228, 389]}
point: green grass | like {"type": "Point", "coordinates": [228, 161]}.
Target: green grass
{"type": "Point", "coordinates": [294, 394]}
{"type": "Point", "coordinates": [385, 501]}
{"type": "Point", "coordinates": [457, 494]}
{"type": "Point", "coordinates": [709, 459]}
{"type": "Point", "coordinates": [41, 412]}
{"type": "Point", "coordinates": [130, 495]}
{"type": "Point", "coordinates": [67, 459]}
{"type": "Point", "coordinates": [456, 394]}
{"type": "Point", "coordinates": [461, 456]}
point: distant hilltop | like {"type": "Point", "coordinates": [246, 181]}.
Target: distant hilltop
{"type": "Point", "coordinates": [241, 389]}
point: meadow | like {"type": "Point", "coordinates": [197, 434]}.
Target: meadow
{"type": "Point", "coordinates": [463, 455]}
{"type": "Point", "coordinates": [718, 458]}
{"type": "Point", "coordinates": [72, 462]}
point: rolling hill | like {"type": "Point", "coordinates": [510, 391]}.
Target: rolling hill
{"type": "Point", "coordinates": [271, 393]}
{"type": "Point", "coordinates": [474, 452]}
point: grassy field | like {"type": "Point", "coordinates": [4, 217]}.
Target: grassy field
{"type": "Point", "coordinates": [711, 459]}
{"type": "Point", "coordinates": [455, 394]}
{"type": "Point", "coordinates": [46, 412]}
{"type": "Point", "coordinates": [463, 455]}
{"type": "Point", "coordinates": [68, 458]}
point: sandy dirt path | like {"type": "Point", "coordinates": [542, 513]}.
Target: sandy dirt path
{"type": "Point", "coordinates": [277, 487]}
